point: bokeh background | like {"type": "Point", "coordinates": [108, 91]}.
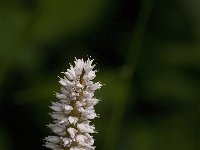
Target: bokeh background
{"type": "Point", "coordinates": [148, 56]}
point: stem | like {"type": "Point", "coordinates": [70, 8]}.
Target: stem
{"type": "Point", "coordinates": [134, 51]}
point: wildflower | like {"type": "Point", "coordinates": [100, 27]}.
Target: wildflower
{"type": "Point", "coordinates": [75, 108]}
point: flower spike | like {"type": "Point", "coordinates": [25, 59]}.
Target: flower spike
{"type": "Point", "coordinates": [75, 108]}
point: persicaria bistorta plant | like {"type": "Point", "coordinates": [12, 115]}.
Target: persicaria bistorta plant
{"type": "Point", "coordinates": [75, 108]}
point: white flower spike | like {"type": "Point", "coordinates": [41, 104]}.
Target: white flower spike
{"type": "Point", "coordinates": [75, 108]}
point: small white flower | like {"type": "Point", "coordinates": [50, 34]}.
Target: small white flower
{"type": "Point", "coordinates": [72, 132]}
{"type": "Point", "coordinates": [92, 102]}
{"type": "Point", "coordinates": [60, 96]}
{"type": "Point", "coordinates": [53, 139]}
{"type": "Point", "coordinates": [56, 128]}
{"type": "Point", "coordinates": [67, 107]}
{"type": "Point", "coordinates": [56, 106]}
{"type": "Point", "coordinates": [80, 138]}
{"type": "Point", "coordinates": [64, 91]}
{"type": "Point", "coordinates": [72, 120]}
{"type": "Point", "coordinates": [85, 128]}
{"type": "Point", "coordinates": [79, 86]}
{"type": "Point", "coordinates": [75, 109]}
{"type": "Point", "coordinates": [74, 148]}
{"type": "Point", "coordinates": [66, 141]}
{"type": "Point", "coordinates": [52, 146]}
{"type": "Point", "coordinates": [95, 86]}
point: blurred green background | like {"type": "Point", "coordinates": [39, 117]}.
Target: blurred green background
{"type": "Point", "coordinates": [147, 53]}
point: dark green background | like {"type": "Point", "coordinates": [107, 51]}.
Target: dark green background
{"type": "Point", "coordinates": [148, 56]}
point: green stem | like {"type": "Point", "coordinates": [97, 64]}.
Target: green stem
{"type": "Point", "coordinates": [114, 125]}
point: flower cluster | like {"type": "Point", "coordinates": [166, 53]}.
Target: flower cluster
{"type": "Point", "coordinates": [75, 108]}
